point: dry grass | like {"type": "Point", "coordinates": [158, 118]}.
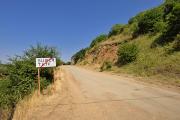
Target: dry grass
{"type": "Point", "coordinates": [25, 107]}
{"type": "Point", "coordinates": [116, 39]}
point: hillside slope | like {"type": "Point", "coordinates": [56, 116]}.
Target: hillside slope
{"type": "Point", "coordinates": [148, 45]}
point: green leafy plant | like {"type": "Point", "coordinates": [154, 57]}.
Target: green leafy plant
{"type": "Point", "coordinates": [22, 75]}
{"type": "Point", "coordinates": [172, 18]}
{"type": "Point", "coordinates": [116, 29]}
{"type": "Point", "coordinates": [106, 66]}
{"type": "Point", "coordinates": [147, 20]}
{"type": "Point", "coordinates": [176, 45]}
{"type": "Point", "coordinates": [79, 55]}
{"type": "Point", "coordinates": [127, 53]}
{"type": "Point", "coordinates": [98, 39]}
{"type": "Point", "coordinates": [3, 70]}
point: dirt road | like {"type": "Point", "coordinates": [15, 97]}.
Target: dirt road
{"type": "Point", "coordinates": [88, 95]}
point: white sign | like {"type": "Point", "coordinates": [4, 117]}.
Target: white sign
{"type": "Point", "coordinates": [45, 62]}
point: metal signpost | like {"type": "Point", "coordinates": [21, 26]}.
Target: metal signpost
{"type": "Point", "coordinates": [41, 63]}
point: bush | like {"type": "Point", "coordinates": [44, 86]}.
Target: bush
{"type": "Point", "coordinates": [106, 66]}
{"type": "Point", "coordinates": [136, 18]}
{"type": "Point", "coordinates": [172, 18]}
{"type": "Point", "coordinates": [127, 53]}
{"type": "Point", "coordinates": [176, 45]}
{"type": "Point", "coordinates": [3, 70]}
{"type": "Point", "coordinates": [160, 27]}
{"type": "Point", "coordinates": [98, 39]}
{"type": "Point", "coordinates": [116, 29]}
{"type": "Point", "coordinates": [148, 19]}
{"type": "Point", "coordinates": [22, 74]}
{"type": "Point", "coordinates": [68, 63]}
{"type": "Point", "coordinates": [79, 56]}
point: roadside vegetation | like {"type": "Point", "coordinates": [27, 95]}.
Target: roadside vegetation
{"type": "Point", "coordinates": [151, 49]}
{"type": "Point", "coordinates": [106, 66]}
{"type": "Point", "coordinates": [127, 53]}
{"type": "Point", "coordinates": [18, 78]}
{"type": "Point", "coordinates": [79, 56]}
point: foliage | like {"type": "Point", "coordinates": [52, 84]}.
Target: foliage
{"type": "Point", "coordinates": [106, 66]}
{"type": "Point", "coordinates": [172, 18]}
{"type": "Point", "coordinates": [148, 20]}
{"type": "Point", "coordinates": [160, 26]}
{"type": "Point", "coordinates": [3, 70]}
{"type": "Point", "coordinates": [136, 18]}
{"type": "Point", "coordinates": [98, 39]}
{"type": "Point", "coordinates": [22, 75]}
{"type": "Point", "coordinates": [116, 29]}
{"type": "Point", "coordinates": [127, 53]}
{"type": "Point", "coordinates": [79, 55]}
{"type": "Point", "coordinates": [176, 45]}
{"type": "Point", "coordinates": [68, 63]}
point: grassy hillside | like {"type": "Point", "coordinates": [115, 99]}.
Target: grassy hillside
{"type": "Point", "coordinates": [149, 45]}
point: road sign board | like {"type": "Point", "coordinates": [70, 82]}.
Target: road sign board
{"type": "Point", "coordinates": [45, 62]}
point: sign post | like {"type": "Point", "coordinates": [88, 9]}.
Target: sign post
{"type": "Point", "coordinates": [39, 83]}
{"type": "Point", "coordinates": [41, 63]}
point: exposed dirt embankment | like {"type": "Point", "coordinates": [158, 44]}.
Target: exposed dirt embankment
{"type": "Point", "coordinates": [105, 51]}
{"type": "Point", "coordinates": [156, 64]}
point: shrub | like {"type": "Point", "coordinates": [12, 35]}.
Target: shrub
{"type": "Point", "coordinates": [106, 66]}
{"type": "Point", "coordinates": [127, 53]}
{"type": "Point", "coordinates": [79, 55]}
{"type": "Point", "coordinates": [98, 39]}
{"type": "Point", "coordinates": [133, 27]}
{"type": "Point", "coordinates": [116, 29]}
{"type": "Point", "coordinates": [68, 63]}
{"type": "Point", "coordinates": [176, 45]}
{"type": "Point", "coordinates": [22, 74]}
{"type": "Point", "coordinates": [147, 20]}
{"type": "Point", "coordinates": [3, 70]}
{"type": "Point", "coordinates": [136, 18]}
{"type": "Point", "coordinates": [172, 18]}
{"type": "Point", "coordinates": [160, 26]}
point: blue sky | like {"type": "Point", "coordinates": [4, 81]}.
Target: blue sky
{"type": "Point", "coordinates": [67, 24]}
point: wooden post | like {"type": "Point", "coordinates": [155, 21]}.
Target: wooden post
{"type": "Point", "coordinates": [54, 86]}
{"type": "Point", "coordinates": [39, 86]}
